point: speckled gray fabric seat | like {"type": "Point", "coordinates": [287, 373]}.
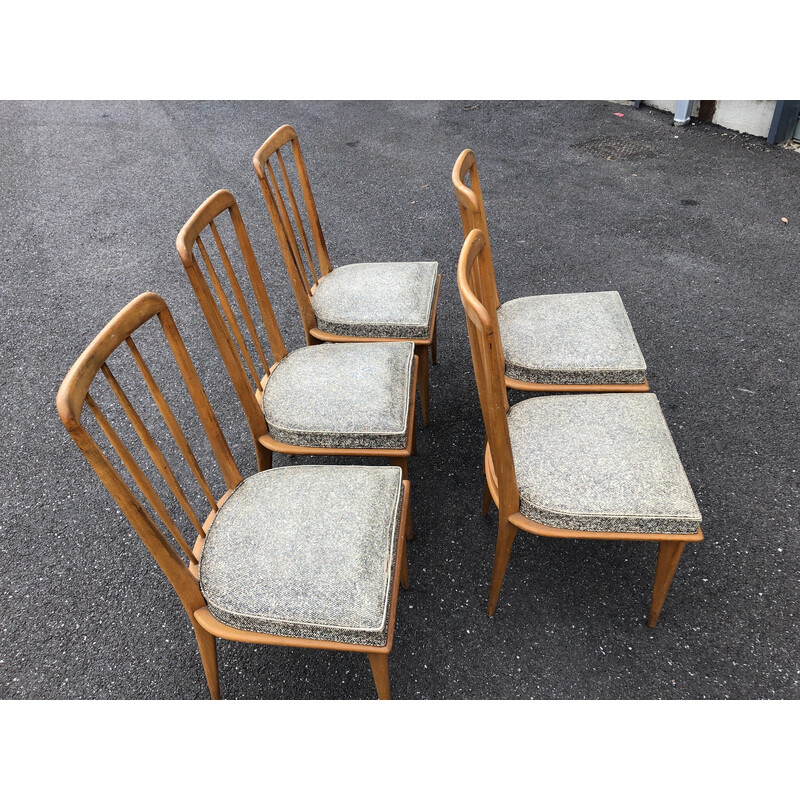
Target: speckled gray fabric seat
{"type": "Point", "coordinates": [341, 395]}
{"type": "Point", "coordinates": [583, 338]}
{"type": "Point", "coordinates": [306, 551]}
{"type": "Point", "coordinates": [390, 300]}
{"type": "Point", "coordinates": [602, 462]}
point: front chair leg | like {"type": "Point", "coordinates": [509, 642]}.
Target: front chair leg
{"type": "Point", "coordinates": [207, 644]}
{"type": "Point", "coordinates": [506, 533]}
{"type": "Point", "coordinates": [487, 499]}
{"type": "Point", "coordinates": [403, 563]}
{"type": "Point", "coordinates": [380, 673]}
{"type": "Point", "coordinates": [433, 342]}
{"type": "Point", "coordinates": [669, 554]}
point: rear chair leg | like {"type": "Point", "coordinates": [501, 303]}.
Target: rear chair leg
{"type": "Point", "coordinates": [380, 672]}
{"type": "Point", "coordinates": [487, 499]}
{"type": "Point", "coordinates": [506, 533]}
{"type": "Point", "coordinates": [424, 382]}
{"type": "Point", "coordinates": [669, 554]}
{"type": "Point", "coordinates": [207, 644]}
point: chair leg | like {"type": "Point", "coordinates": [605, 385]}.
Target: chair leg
{"type": "Point", "coordinates": [424, 383]}
{"type": "Point", "coordinates": [402, 463]}
{"type": "Point", "coordinates": [263, 457]}
{"type": "Point", "coordinates": [380, 673]}
{"type": "Point", "coordinates": [409, 528]}
{"type": "Point", "coordinates": [669, 554]}
{"type": "Point", "coordinates": [506, 533]}
{"type": "Point", "coordinates": [433, 343]}
{"type": "Point", "coordinates": [404, 564]}
{"type": "Point", "coordinates": [487, 499]}
{"type": "Point", "coordinates": [207, 644]}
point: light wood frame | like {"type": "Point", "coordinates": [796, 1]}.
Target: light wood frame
{"type": "Point", "coordinates": [300, 263]}
{"type": "Point", "coordinates": [473, 215]}
{"type": "Point", "coordinates": [475, 284]}
{"type": "Point", "coordinates": [182, 570]}
{"type": "Point", "coordinates": [250, 374]}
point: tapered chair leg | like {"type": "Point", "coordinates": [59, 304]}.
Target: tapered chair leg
{"type": "Point", "coordinates": [433, 343]}
{"type": "Point", "coordinates": [402, 463]}
{"type": "Point", "coordinates": [380, 673]}
{"type": "Point", "coordinates": [404, 564]}
{"type": "Point", "coordinates": [207, 644]}
{"type": "Point", "coordinates": [424, 382]}
{"type": "Point", "coordinates": [669, 554]}
{"type": "Point", "coordinates": [409, 527]}
{"type": "Point", "coordinates": [263, 457]}
{"type": "Point", "coordinates": [506, 533]}
{"type": "Point", "coordinates": [487, 499]}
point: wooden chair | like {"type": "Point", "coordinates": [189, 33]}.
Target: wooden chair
{"type": "Point", "coordinates": [342, 400]}
{"type": "Point", "coordinates": [581, 342]}
{"type": "Point", "coordinates": [354, 303]}
{"type": "Point", "coordinates": [306, 556]}
{"type": "Point", "coordinates": [592, 466]}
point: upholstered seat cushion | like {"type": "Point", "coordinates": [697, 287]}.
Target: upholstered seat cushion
{"type": "Point", "coordinates": [392, 300]}
{"type": "Point", "coordinates": [581, 338]}
{"type": "Point", "coordinates": [341, 395]}
{"type": "Point", "coordinates": [306, 551]}
{"type": "Point", "coordinates": [602, 462]}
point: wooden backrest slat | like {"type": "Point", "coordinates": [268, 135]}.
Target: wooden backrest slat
{"type": "Point", "coordinates": [208, 419]}
{"type": "Point", "coordinates": [270, 322]}
{"type": "Point", "coordinates": [74, 396]}
{"type": "Point", "coordinates": [289, 232]}
{"type": "Point", "coordinates": [172, 423]}
{"type": "Point", "coordinates": [153, 450]}
{"type": "Point", "coordinates": [237, 291]}
{"type": "Point", "coordinates": [222, 299]}
{"type": "Point", "coordinates": [311, 208]}
{"type": "Point", "coordinates": [484, 340]}
{"type": "Point", "coordinates": [244, 384]}
{"type": "Point", "coordinates": [296, 211]}
{"type": "Point", "coordinates": [277, 212]}
{"type": "Point", "coordinates": [139, 477]}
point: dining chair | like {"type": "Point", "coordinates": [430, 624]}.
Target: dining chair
{"type": "Point", "coordinates": [302, 556]}
{"type": "Point", "coordinates": [363, 302]}
{"type": "Point", "coordinates": [586, 466]}
{"type": "Point", "coordinates": [579, 342]}
{"type": "Point", "coordinates": [333, 400]}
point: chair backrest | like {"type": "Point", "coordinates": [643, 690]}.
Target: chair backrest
{"type": "Point", "coordinates": [293, 231]}
{"type": "Point", "coordinates": [487, 360]}
{"type": "Point", "coordinates": [247, 365]}
{"type": "Point", "coordinates": [470, 204]}
{"type": "Point", "coordinates": [178, 560]}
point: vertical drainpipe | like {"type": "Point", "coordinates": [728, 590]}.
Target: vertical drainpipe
{"type": "Point", "coordinates": [683, 112]}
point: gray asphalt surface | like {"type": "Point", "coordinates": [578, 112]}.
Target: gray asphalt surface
{"type": "Point", "coordinates": [689, 233]}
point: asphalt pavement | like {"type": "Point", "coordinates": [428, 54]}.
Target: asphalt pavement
{"type": "Point", "coordinates": [685, 223]}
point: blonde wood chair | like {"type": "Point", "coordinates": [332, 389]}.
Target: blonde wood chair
{"type": "Point", "coordinates": [592, 466]}
{"type": "Point", "coordinates": [367, 302]}
{"type": "Point", "coordinates": [332, 400]}
{"type": "Point", "coordinates": [581, 342]}
{"type": "Point", "coordinates": [307, 556]}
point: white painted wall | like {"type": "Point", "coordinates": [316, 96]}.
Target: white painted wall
{"type": "Point", "coordinates": [744, 116]}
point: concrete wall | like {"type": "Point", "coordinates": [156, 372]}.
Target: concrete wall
{"type": "Point", "coordinates": [745, 116]}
